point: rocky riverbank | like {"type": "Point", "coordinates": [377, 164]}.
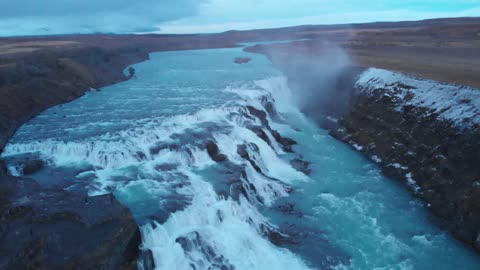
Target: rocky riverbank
{"type": "Point", "coordinates": [426, 134]}
{"type": "Point", "coordinates": [51, 228]}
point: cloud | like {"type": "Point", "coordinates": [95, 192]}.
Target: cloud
{"type": "Point", "coordinates": [39, 17]}
{"type": "Point", "coordinates": [199, 25]}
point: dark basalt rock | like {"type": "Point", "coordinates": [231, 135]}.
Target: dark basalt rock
{"type": "Point", "coordinates": [260, 133]}
{"type": "Point", "coordinates": [261, 115]}
{"type": "Point", "coordinates": [140, 156]}
{"type": "Point", "coordinates": [214, 152]}
{"type": "Point", "coordinates": [3, 168]}
{"type": "Point", "coordinates": [27, 164]}
{"type": "Point", "coordinates": [32, 166]}
{"type": "Point", "coordinates": [146, 261]}
{"type": "Point", "coordinates": [442, 158]}
{"type": "Point", "coordinates": [301, 166]}
{"type": "Point", "coordinates": [166, 167]}
{"type": "Point", "coordinates": [232, 182]}
{"type": "Point", "coordinates": [269, 106]}
{"type": "Point", "coordinates": [131, 72]}
{"type": "Point", "coordinates": [287, 143]}
{"type": "Point", "coordinates": [242, 60]}
{"type": "Point", "coordinates": [162, 146]}
{"type": "Point", "coordinates": [243, 153]}
{"type": "Point", "coordinates": [278, 238]}
{"type": "Point", "coordinates": [290, 209]}
{"type": "Point", "coordinates": [54, 229]}
{"type": "Point", "coordinates": [193, 242]}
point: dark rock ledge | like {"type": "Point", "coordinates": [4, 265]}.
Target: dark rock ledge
{"type": "Point", "coordinates": [54, 229]}
{"type": "Point", "coordinates": [242, 60]}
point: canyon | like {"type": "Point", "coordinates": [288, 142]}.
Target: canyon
{"type": "Point", "coordinates": [383, 114]}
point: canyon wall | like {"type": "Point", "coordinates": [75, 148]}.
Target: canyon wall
{"type": "Point", "coordinates": [426, 134]}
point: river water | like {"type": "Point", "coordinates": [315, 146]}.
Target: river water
{"type": "Point", "coordinates": [145, 140]}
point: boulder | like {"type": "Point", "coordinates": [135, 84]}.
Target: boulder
{"type": "Point", "coordinates": [289, 208]}
{"type": "Point", "coordinates": [54, 229]}
{"type": "Point", "coordinates": [301, 166]}
{"type": "Point", "coordinates": [166, 167]}
{"type": "Point", "coordinates": [214, 152]}
{"type": "Point", "coordinates": [3, 168]}
{"type": "Point", "coordinates": [163, 146]}
{"type": "Point", "coordinates": [258, 130]}
{"type": "Point", "coordinates": [131, 72]}
{"type": "Point", "coordinates": [26, 164]}
{"type": "Point", "coordinates": [287, 143]}
{"type": "Point", "coordinates": [32, 166]}
{"type": "Point", "coordinates": [242, 60]}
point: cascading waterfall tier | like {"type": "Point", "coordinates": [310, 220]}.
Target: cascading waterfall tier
{"type": "Point", "coordinates": [216, 223]}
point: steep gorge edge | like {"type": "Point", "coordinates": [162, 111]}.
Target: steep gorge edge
{"type": "Point", "coordinates": [436, 159]}
{"type": "Point", "coordinates": [51, 227]}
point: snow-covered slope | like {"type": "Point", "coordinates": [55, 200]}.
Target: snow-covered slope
{"type": "Point", "coordinates": [455, 103]}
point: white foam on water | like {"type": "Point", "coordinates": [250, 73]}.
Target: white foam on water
{"type": "Point", "coordinates": [275, 145]}
{"type": "Point", "coordinates": [229, 229]}
{"type": "Point", "coordinates": [422, 239]}
{"type": "Point", "coordinates": [152, 187]}
{"type": "Point", "coordinates": [266, 157]}
{"type": "Point", "coordinates": [278, 88]}
{"type": "Point", "coordinates": [15, 170]}
{"type": "Point", "coordinates": [120, 149]}
{"type": "Point", "coordinates": [386, 244]}
{"type": "Point", "coordinates": [267, 189]}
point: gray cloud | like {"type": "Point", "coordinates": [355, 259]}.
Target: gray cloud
{"type": "Point", "coordinates": [30, 17]}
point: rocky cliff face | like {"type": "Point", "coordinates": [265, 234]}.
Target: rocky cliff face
{"type": "Point", "coordinates": [426, 134]}
{"type": "Point", "coordinates": [54, 229]}
{"type": "Point", "coordinates": [51, 228]}
{"type": "Point", "coordinates": [42, 79]}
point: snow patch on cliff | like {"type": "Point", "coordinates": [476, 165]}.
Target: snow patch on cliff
{"type": "Point", "coordinates": [456, 103]}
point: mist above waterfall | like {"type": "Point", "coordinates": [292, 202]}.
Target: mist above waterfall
{"type": "Point", "coordinates": [320, 75]}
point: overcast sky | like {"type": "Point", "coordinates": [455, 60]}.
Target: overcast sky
{"type": "Point", "coordinates": [30, 17]}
